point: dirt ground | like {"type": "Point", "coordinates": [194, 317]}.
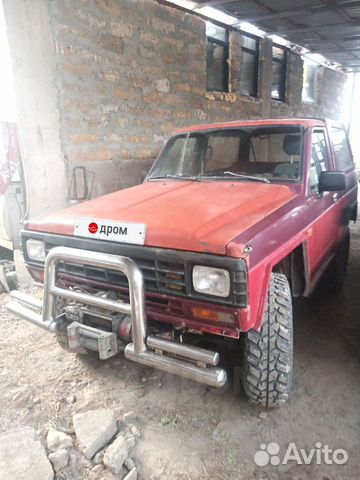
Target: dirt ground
{"type": "Point", "coordinates": [188, 431]}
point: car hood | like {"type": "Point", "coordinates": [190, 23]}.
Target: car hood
{"type": "Point", "coordinates": [185, 215]}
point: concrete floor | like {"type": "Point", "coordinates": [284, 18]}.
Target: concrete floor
{"type": "Point", "coordinates": [189, 432]}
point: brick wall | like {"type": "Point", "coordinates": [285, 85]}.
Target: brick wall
{"type": "Point", "coordinates": [128, 72]}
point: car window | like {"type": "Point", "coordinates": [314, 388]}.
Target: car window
{"type": "Point", "coordinates": [319, 157]}
{"type": "Point", "coordinates": [343, 157]}
{"type": "Point", "coordinates": [222, 152]}
{"type": "Point", "coordinates": [270, 153]}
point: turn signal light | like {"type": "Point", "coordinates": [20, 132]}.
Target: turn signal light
{"type": "Point", "coordinates": [212, 315]}
{"type": "Point", "coordinates": [37, 275]}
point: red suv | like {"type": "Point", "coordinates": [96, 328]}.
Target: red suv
{"type": "Point", "coordinates": [233, 220]}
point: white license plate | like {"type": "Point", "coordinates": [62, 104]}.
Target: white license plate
{"type": "Point", "coordinates": [114, 231]}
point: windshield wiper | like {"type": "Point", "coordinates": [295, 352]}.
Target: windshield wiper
{"type": "Point", "coordinates": [248, 177]}
{"type": "Point", "coordinates": [168, 175]}
{"type": "Point", "coordinates": [239, 175]}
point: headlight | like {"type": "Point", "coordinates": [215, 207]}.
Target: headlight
{"type": "Point", "coordinates": [212, 281]}
{"type": "Point", "coordinates": [35, 250]}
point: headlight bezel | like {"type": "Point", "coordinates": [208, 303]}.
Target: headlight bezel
{"type": "Point", "coordinates": [37, 246]}
{"type": "Point", "coordinates": [200, 272]}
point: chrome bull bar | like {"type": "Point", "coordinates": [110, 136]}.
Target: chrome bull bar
{"type": "Point", "coordinates": [194, 363]}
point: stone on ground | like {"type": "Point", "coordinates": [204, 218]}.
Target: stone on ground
{"type": "Point", "coordinates": [56, 440]}
{"type": "Point", "coordinates": [59, 459]}
{"type": "Point", "coordinates": [22, 456]}
{"type": "Point", "coordinates": [94, 429]}
{"type": "Point", "coordinates": [135, 431]}
{"type": "Point", "coordinates": [116, 455]}
{"type": "Point", "coordinates": [129, 463]}
{"type": "Point", "coordinates": [98, 458]}
{"type": "Point", "coordinates": [132, 475]}
{"type": "Point", "coordinates": [131, 442]}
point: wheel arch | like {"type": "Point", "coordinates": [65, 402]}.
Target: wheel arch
{"type": "Point", "coordinates": [295, 267]}
{"type": "Point", "coordinates": [294, 264]}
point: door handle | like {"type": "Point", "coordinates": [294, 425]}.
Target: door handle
{"type": "Point", "coordinates": [335, 197]}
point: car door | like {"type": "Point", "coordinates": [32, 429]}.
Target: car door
{"type": "Point", "coordinates": [324, 225]}
{"type": "Point", "coordinates": [347, 204]}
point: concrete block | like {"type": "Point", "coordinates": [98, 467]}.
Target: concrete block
{"type": "Point", "coordinates": [94, 429]}
{"type": "Point", "coordinates": [116, 455]}
{"type": "Point", "coordinates": [56, 440]}
{"type": "Point", "coordinates": [132, 475]}
{"type": "Point", "coordinates": [22, 456]}
{"type": "Point", "coordinates": [59, 459]}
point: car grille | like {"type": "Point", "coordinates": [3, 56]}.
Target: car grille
{"type": "Point", "coordinates": [165, 271]}
{"type": "Point", "coordinates": [158, 276]}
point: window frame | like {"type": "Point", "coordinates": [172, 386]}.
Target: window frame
{"type": "Point", "coordinates": [256, 66]}
{"type": "Point", "coordinates": [351, 165]}
{"type": "Point", "coordinates": [283, 72]}
{"type": "Point", "coordinates": [279, 181]}
{"type": "Point", "coordinates": [329, 161]}
{"type": "Point", "coordinates": [226, 45]}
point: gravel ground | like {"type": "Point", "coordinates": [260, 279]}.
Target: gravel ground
{"type": "Point", "coordinates": [188, 431]}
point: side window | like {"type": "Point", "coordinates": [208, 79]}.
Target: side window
{"type": "Point", "coordinates": [343, 157]}
{"type": "Point", "coordinates": [249, 70]}
{"type": "Point", "coordinates": [279, 67]}
{"type": "Point", "coordinates": [217, 55]}
{"type": "Point", "coordinates": [319, 157]}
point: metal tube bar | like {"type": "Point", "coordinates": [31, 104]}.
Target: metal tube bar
{"type": "Point", "coordinates": [91, 300]}
{"type": "Point", "coordinates": [188, 351]}
{"type": "Point", "coordinates": [31, 316]}
{"type": "Point", "coordinates": [105, 261]}
{"type": "Point", "coordinates": [213, 376]}
{"type": "Point", "coordinates": [27, 299]}
{"type": "Point", "coordinates": [138, 315]}
{"type": "Point", "coordinates": [137, 350]}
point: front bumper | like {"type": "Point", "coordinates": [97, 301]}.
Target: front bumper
{"type": "Point", "coordinates": [184, 360]}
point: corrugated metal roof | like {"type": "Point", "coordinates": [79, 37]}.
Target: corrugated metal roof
{"type": "Point", "coordinates": [328, 27]}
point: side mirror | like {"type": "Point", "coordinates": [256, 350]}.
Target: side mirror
{"type": "Point", "coordinates": [331, 182]}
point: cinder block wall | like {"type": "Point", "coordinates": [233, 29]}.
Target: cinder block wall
{"type": "Point", "coordinates": [121, 75]}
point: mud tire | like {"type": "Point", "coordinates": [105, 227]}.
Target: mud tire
{"type": "Point", "coordinates": [268, 354]}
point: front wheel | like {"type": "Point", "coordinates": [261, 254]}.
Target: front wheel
{"type": "Point", "coordinates": [268, 354]}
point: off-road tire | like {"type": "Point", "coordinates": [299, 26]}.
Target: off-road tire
{"type": "Point", "coordinates": [268, 354]}
{"type": "Point", "coordinates": [333, 279]}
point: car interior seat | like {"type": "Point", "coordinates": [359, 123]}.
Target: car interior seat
{"type": "Point", "coordinates": [291, 146]}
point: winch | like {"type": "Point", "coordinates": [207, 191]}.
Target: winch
{"type": "Point", "coordinates": [97, 329]}
{"type": "Point", "coordinates": [103, 322]}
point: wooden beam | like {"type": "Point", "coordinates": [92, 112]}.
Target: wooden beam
{"type": "Point", "coordinates": [213, 3]}
{"type": "Point", "coordinates": [335, 50]}
{"type": "Point", "coordinates": [278, 15]}
{"type": "Point", "coordinates": [197, 14]}
{"type": "Point", "coordinates": [334, 5]}
{"type": "Point", "coordinates": [320, 7]}
{"type": "Point", "coordinates": [313, 28]}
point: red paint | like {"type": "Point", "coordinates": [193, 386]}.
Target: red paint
{"type": "Point", "coordinates": [221, 217]}
{"type": "Point", "coordinates": [305, 122]}
{"type": "Point", "coordinates": [179, 215]}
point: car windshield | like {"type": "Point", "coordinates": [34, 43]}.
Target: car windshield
{"type": "Point", "coordinates": [264, 154]}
